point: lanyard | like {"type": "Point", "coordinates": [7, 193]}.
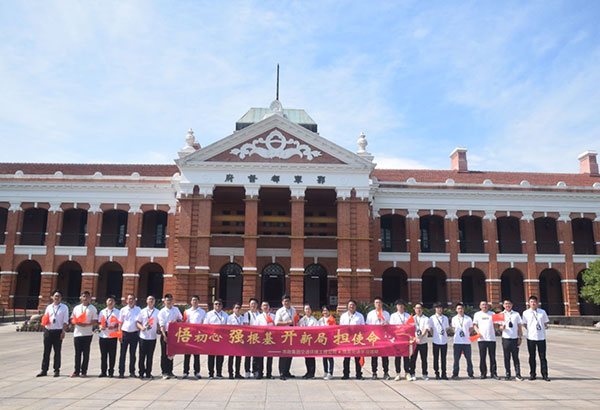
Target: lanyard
{"type": "Point", "coordinates": [440, 322]}
{"type": "Point", "coordinates": [462, 320]}
{"type": "Point", "coordinates": [417, 321]}
{"type": "Point", "coordinates": [55, 311]}
{"type": "Point", "coordinates": [109, 316]}
{"type": "Point", "coordinates": [219, 315]}
{"type": "Point", "coordinates": [237, 319]}
{"type": "Point", "coordinates": [402, 318]}
{"type": "Point", "coordinates": [149, 315]}
{"type": "Point", "coordinates": [536, 319]}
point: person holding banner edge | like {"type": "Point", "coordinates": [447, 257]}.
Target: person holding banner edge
{"type": "Point", "coordinates": [352, 317]}
{"type": "Point", "coordinates": [378, 316]}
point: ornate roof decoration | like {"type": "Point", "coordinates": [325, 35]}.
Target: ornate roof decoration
{"type": "Point", "coordinates": [275, 145]}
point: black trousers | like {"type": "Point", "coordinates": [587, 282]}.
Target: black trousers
{"type": "Point", "coordinates": [238, 364]}
{"type": "Point", "coordinates": [357, 367]}
{"type": "Point", "coordinates": [310, 363]}
{"type": "Point", "coordinates": [146, 355]}
{"type": "Point", "coordinates": [108, 355]}
{"type": "Point", "coordinates": [129, 341]}
{"type": "Point", "coordinates": [166, 364]}
{"type": "Point", "coordinates": [248, 362]}
{"type": "Point", "coordinates": [540, 345]}
{"type": "Point", "coordinates": [284, 366]}
{"type": "Point", "coordinates": [385, 362]}
{"type": "Point", "coordinates": [258, 366]}
{"type": "Point", "coordinates": [211, 365]}
{"type": "Point", "coordinates": [52, 341]}
{"type": "Point", "coordinates": [439, 354]}
{"type": "Point", "coordinates": [422, 351]}
{"type": "Point", "coordinates": [186, 364]}
{"type": "Point", "coordinates": [82, 353]}
{"type": "Point", "coordinates": [510, 347]}
{"type": "Point", "coordinates": [458, 350]}
{"type": "Point", "coordinates": [487, 348]}
{"type": "Point", "coordinates": [328, 365]}
{"type": "Point", "coordinates": [398, 364]}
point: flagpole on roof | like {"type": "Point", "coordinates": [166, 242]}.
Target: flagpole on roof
{"type": "Point", "coordinates": [277, 91]}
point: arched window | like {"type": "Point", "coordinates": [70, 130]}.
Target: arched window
{"type": "Point", "coordinates": [394, 285]}
{"type": "Point", "coordinates": [473, 287]}
{"type": "Point", "coordinates": [28, 285]}
{"type": "Point", "coordinates": [315, 285]}
{"type": "Point", "coordinates": [69, 281]}
{"type": "Point", "coordinates": [230, 284]}
{"type": "Point", "coordinates": [512, 288]}
{"type": "Point", "coordinates": [273, 283]}
{"type": "Point", "coordinates": [433, 287]}
{"type": "Point", "coordinates": [551, 296]}
{"type": "Point", "coordinates": [151, 281]}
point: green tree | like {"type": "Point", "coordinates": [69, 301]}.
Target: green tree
{"type": "Point", "coordinates": [590, 291]}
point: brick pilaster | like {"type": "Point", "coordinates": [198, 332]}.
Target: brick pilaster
{"type": "Point", "coordinates": [532, 281]}
{"type": "Point", "coordinates": [8, 280]}
{"type": "Point", "coordinates": [568, 277]}
{"type": "Point", "coordinates": [250, 285]}
{"type": "Point", "coordinates": [493, 281]}
{"type": "Point", "coordinates": [203, 235]}
{"type": "Point", "coordinates": [297, 247]}
{"type": "Point", "coordinates": [344, 269]}
{"type": "Point", "coordinates": [414, 246]}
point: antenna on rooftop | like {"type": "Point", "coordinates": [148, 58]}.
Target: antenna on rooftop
{"type": "Point", "coordinates": [277, 92]}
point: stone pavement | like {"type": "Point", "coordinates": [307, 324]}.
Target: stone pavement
{"type": "Point", "coordinates": [574, 361]}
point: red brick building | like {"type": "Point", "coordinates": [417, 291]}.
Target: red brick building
{"type": "Point", "coordinates": [275, 208]}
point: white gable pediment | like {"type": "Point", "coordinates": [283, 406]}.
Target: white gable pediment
{"type": "Point", "coordinates": [274, 152]}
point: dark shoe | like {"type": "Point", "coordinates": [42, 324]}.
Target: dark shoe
{"type": "Point", "coordinates": [197, 375]}
{"type": "Point", "coordinates": [231, 377]}
{"type": "Point", "coordinates": [454, 377]}
{"type": "Point", "coordinates": [444, 377]}
{"type": "Point", "coordinates": [102, 375]}
{"type": "Point", "coordinates": [185, 375]}
{"type": "Point", "coordinates": [270, 377]}
{"type": "Point", "coordinates": [495, 376]}
{"type": "Point", "coordinates": [345, 377]}
{"type": "Point", "coordinates": [519, 378]}
{"type": "Point", "coordinates": [132, 375]}
{"type": "Point", "coordinates": [121, 376]}
{"type": "Point", "coordinates": [359, 377]}
{"type": "Point", "coordinates": [56, 373]}
{"type": "Point", "coordinates": [532, 378]}
{"type": "Point", "coordinates": [437, 377]}
{"type": "Point", "coordinates": [290, 376]}
{"type": "Point", "coordinates": [471, 376]}
{"type": "Point", "coordinates": [83, 374]}
{"type": "Point", "coordinates": [259, 377]}
{"type": "Point", "coordinates": [546, 378]}
{"type": "Point", "coordinates": [172, 376]}
{"type": "Point", "coordinates": [42, 374]}
{"type": "Point", "coordinates": [483, 376]}
{"type": "Point", "coordinates": [239, 376]}
{"type": "Point", "coordinates": [282, 378]}
{"type": "Point", "coordinates": [507, 378]}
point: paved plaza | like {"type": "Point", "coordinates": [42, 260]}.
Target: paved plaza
{"type": "Point", "coordinates": [574, 361]}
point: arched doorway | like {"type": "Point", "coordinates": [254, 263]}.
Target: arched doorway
{"type": "Point", "coordinates": [315, 285]}
{"type": "Point", "coordinates": [585, 308]}
{"type": "Point", "coordinates": [273, 283]}
{"type": "Point", "coordinates": [551, 294]}
{"type": "Point", "coordinates": [511, 287]}
{"type": "Point", "coordinates": [433, 287]}
{"type": "Point", "coordinates": [230, 284]}
{"type": "Point", "coordinates": [110, 282]}
{"type": "Point", "coordinates": [29, 280]}
{"type": "Point", "coordinates": [69, 281]}
{"type": "Point", "coordinates": [473, 287]}
{"type": "Point", "coordinates": [151, 282]}
{"type": "Point", "coordinates": [394, 285]}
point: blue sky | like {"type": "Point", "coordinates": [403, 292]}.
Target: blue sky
{"type": "Point", "coordinates": [517, 83]}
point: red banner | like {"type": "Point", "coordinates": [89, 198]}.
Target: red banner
{"type": "Point", "coordinates": [290, 341]}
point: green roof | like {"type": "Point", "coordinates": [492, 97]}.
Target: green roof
{"type": "Point", "coordinates": [254, 115]}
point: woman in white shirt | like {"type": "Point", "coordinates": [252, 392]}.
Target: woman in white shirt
{"type": "Point", "coordinates": [327, 320]}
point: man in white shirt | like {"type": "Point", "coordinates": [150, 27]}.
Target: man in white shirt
{"type": "Point", "coordinates": [422, 330]}
{"type": "Point", "coordinates": [250, 319]}
{"type": "Point", "coordinates": [236, 319]}
{"type": "Point", "coordinates": [352, 317]}
{"type": "Point", "coordinates": [309, 320]}
{"type": "Point", "coordinates": [399, 317]}
{"type": "Point", "coordinates": [285, 316]}
{"type": "Point", "coordinates": [216, 317]}
{"type": "Point", "coordinates": [511, 339]}
{"type": "Point", "coordinates": [484, 325]}
{"type": "Point", "coordinates": [167, 315]}
{"type": "Point", "coordinates": [130, 335]}
{"type": "Point", "coordinates": [84, 317]}
{"type": "Point", "coordinates": [380, 317]}
{"type": "Point", "coordinates": [462, 326]}
{"type": "Point", "coordinates": [264, 319]}
{"type": "Point", "coordinates": [535, 321]}
{"type": "Point", "coordinates": [195, 314]}
{"type": "Point", "coordinates": [57, 318]}
{"type": "Point", "coordinates": [109, 318]}
{"type": "Point", "coordinates": [439, 326]}
{"type": "Point", "coordinates": [147, 322]}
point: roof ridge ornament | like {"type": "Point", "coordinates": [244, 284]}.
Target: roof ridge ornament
{"type": "Point", "coordinates": [362, 144]}
{"type": "Point", "coordinates": [190, 144]}
{"type": "Point", "coordinates": [275, 145]}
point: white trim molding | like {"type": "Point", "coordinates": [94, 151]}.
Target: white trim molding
{"type": "Point", "coordinates": [512, 257]}
{"type": "Point", "coordinates": [70, 250]}
{"type": "Point", "coordinates": [30, 250]}
{"type": "Point", "coordinates": [473, 257]}
{"type": "Point", "coordinates": [550, 258]}
{"type": "Point", "coordinates": [152, 252]}
{"type": "Point", "coordinates": [434, 257]}
{"type": "Point", "coordinates": [112, 251]}
{"type": "Point", "coordinates": [394, 256]}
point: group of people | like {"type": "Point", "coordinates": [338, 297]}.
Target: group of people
{"type": "Point", "coordinates": [131, 326]}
